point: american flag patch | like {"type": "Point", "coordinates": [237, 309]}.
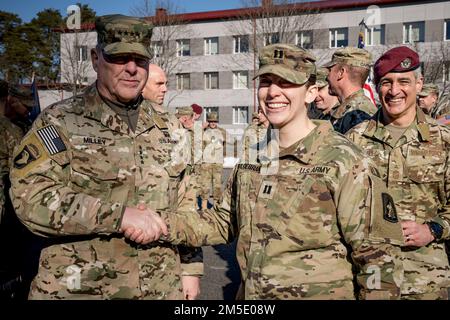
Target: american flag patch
{"type": "Point", "coordinates": [52, 140]}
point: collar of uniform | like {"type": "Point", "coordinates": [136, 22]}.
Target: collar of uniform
{"type": "Point", "coordinates": [97, 109]}
{"type": "Point", "coordinates": [340, 110]}
{"type": "Point", "coordinates": [305, 149]}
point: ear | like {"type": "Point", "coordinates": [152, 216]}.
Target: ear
{"type": "Point", "coordinates": [94, 59]}
{"type": "Point", "coordinates": [419, 83]}
{"type": "Point", "coordinates": [341, 72]}
{"type": "Point", "coordinates": [311, 93]}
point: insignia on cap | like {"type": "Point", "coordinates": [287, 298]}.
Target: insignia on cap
{"type": "Point", "coordinates": [278, 54]}
{"type": "Point", "coordinates": [406, 63]}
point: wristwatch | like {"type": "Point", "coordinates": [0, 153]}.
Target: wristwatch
{"type": "Point", "coordinates": [436, 229]}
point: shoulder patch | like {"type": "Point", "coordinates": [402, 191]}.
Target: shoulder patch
{"type": "Point", "coordinates": [51, 139]}
{"type": "Point", "coordinates": [28, 154]}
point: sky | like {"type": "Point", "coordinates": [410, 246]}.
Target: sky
{"type": "Point", "coordinates": [27, 9]}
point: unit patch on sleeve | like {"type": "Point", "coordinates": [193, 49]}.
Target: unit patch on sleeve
{"type": "Point", "coordinates": [52, 140]}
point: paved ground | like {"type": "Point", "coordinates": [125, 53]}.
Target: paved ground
{"type": "Point", "coordinates": [221, 280]}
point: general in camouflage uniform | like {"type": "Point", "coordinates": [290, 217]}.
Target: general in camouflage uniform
{"type": "Point", "coordinates": [294, 212]}
{"type": "Point", "coordinates": [85, 166]}
{"type": "Point", "coordinates": [411, 153]}
{"type": "Point", "coordinates": [349, 68]}
{"type": "Point", "coordinates": [214, 151]}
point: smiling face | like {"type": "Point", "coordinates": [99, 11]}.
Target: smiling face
{"type": "Point", "coordinates": [324, 101]}
{"type": "Point", "coordinates": [120, 78]}
{"type": "Point", "coordinates": [397, 92]}
{"type": "Point", "coordinates": [283, 102]}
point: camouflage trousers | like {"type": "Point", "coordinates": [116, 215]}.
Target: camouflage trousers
{"type": "Point", "coordinates": [210, 178]}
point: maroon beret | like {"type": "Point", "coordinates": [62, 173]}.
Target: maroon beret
{"type": "Point", "coordinates": [399, 59]}
{"type": "Point", "coordinates": [196, 108]}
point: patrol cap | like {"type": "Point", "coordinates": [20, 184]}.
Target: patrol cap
{"type": "Point", "coordinates": [24, 94]}
{"type": "Point", "coordinates": [287, 61]}
{"type": "Point", "coordinates": [255, 115]}
{"type": "Point", "coordinates": [212, 117]}
{"type": "Point", "coordinates": [398, 59]}
{"type": "Point", "coordinates": [196, 108]}
{"type": "Point", "coordinates": [351, 56]}
{"type": "Point", "coordinates": [119, 34]}
{"type": "Point", "coordinates": [428, 89]}
{"type": "Point", "coordinates": [184, 111]}
{"type": "Point", "coordinates": [321, 78]}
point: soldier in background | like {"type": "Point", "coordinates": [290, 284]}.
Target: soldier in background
{"type": "Point", "coordinates": [214, 151]}
{"type": "Point", "coordinates": [411, 153]}
{"type": "Point", "coordinates": [191, 258]}
{"type": "Point", "coordinates": [324, 104]}
{"type": "Point", "coordinates": [86, 171]}
{"type": "Point", "coordinates": [428, 98]}
{"type": "Point", "coordinates": [295, 213]}
{"type": "Point", "coordinates": [349, 69]}
{"type": "Point", "coordinates": [254, 136]}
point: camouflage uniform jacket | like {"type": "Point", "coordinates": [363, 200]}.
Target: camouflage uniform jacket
{"type": "Point", "coordinates": [416, 171]}
{"type": "Point", "coordinates": [353, 110]}
{"type": "Point", "coordinates": [73, 175]}
{"type": "Point", "coordinates": [214, 145]}
{"type": "Point", "coordinates": [252, 141]}
{"type": "Point", "coordinates": [292, 216]}
{"type": "Point", "coordinates": [10, 137]}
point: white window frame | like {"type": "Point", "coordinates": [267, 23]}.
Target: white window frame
{"type": "Point", "coordinates": [79, 53]}
{"type": "Point", "coordinates": [299, 39]}
{"type": "Point", "coordinates": [421, 24]}
{"type": "Point", "coordinates": [207, 46]}
{"type": "Point", "coordinates": [371, 31]}
{"type": "Point", "coordinates": [208, 77]}
{"type": "Point", "coordinates": [335, 31]}
{"type": "Point", "coordinates": [269, 36]}
{"type": "Point", "coordinates": [208, 110]}
{"type": "Point", "coordinates": [446, 23]}
{"type": "Point", "coordinates": [236, 111]}
{"type": "Point", "coordinates": [237, 79]}
{"type": "Point", "coordinates": [238, 39]}
{"type": "Point", "coordinates": [157, 49]}
{"type": "Point", "coordinates": [181, 79]}
{"type": "Point", "coordinates": [180, 45]}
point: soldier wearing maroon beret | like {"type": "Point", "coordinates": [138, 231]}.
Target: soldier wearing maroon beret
{"type": "Point", "coordinates": [412, 155]}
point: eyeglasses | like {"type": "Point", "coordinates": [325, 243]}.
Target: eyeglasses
{"type": "Point", "coordinates": [125, 58]}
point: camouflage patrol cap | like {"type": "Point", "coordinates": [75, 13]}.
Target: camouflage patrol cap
{"type": "Point", "coordinates": [212, 117]}
{"type": "Point", "coordinates": [24, 94]}
{"type": "Point", "coordinates": [287, 61]}
{"type": "Point", "coordinates": [321, 79]}
{"type": "Point", "coordinates": [427, 89]}
{"type": "Point", "coordinates": [184, 111]}
{"type": "Point", "coordinates": [255, 115]}
{"type": "Point", "coordinates": [351, 56]}
{"type": "Point", "coordinates": [119, 34]}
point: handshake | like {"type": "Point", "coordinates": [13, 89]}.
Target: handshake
{"type": "Point", "coordinates": [142, 225]}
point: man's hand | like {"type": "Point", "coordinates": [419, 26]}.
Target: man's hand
{"type": "Point", "coordinates": [142, 225]}
{"type": "Point", "coordinates": [415, 234]}
{"type": "Point", "coordinates": [191, 287]}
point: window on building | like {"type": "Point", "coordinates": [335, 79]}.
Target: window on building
{"type": "Point", "coordinates": [304, 39]}
{"type": "Point", "coordinates": [183, 81]}
{"type": "Point", "coordinates": [240, 44]}
{"type": "Point", "coordinates": [240, 80]}
{"type": "Point", "coordinates": [338, 37]}
{"type": "Point", "coordinates": [271, 38]}
{"type": "Point", "coordinates": [413, 32]}
{"type": "Point", "coordinates": [211, 46]}
{"type": "Point", "coordinates": [374, 36]}
{"type": "Point", "coordinates": [183, 48]}
{"type": "Point", "coordinates": [211, 80]}
{"type": "Point", "coordinates": [447, 30]}
{"type": "Point", "coordinates": [81, 53]}
{"type": "Point", "coordinates": [158, 49]}
{"type": "Point", "coordinates": [446, 72]}
{"type": "Point", "coordinates": [240, 115]}
{"type": "Point", "coordinates": [208, 110]}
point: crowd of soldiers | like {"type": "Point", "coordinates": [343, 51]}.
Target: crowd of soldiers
{"type": "Point", "coordinates": [333, 197]}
